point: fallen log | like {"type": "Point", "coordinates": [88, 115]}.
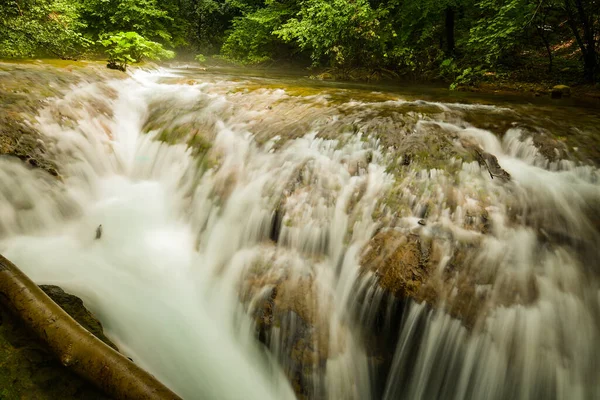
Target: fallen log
{"type": "Point", "coordinates": [74, 346]}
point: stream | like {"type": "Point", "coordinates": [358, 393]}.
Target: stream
{"type": "Point", "coordinates": [273, 237]}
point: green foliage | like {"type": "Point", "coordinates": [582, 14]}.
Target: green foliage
{"type": "Point", "coordinates": [40, 27]}
{"type": "Point", "coordinates": [468, 76]}
{"type": "Point", "coordinates": [130, 47]}
{"type": "Point", "coordinates": [403, 57]}
{"type": "Point", "coordinates": [251, 39]}
{"type": "Point", "coordinates": [200, 58]}
{"type": "Point", "coordinates": [142, 16]}
{"type": "Point", "coordinates": [422, 39]}
{"type": "Point", "coordinates": [449, 69]}
{"type": "Point", "coordinates": [208, 21]}
{"type": "Point", "coordinates": [501, 29]}
{"type": "Point", "coordinates": [342, 32]}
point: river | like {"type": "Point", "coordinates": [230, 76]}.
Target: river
{"type": "Point", "coordinates": [269, 236]}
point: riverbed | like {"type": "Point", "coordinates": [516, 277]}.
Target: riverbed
{"type": "Point", "coordinates": [266, 235]}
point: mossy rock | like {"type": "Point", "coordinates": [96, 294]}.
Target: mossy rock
{"type": "Point", "coordinates": [560, 91]}
{"type": "Point", "coordinates": [27, 86]}
{"type": "Point", "coordinates": [19, 140]}
{"type": "Point", "coordinates": [398, 261]}
{"type": "Point", "coordinates": [292, 315]}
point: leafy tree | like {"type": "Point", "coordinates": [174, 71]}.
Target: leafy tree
{"type": "Point", "coordinates": [143, 16]}
{"type": "Point", "coordinates": [209, 21]}
{"type": "Point", "coordinates": [252, 39]}
{"type": "Point", "coordinates": [502, 27]}
{"type": "Point", "coordinates": [447, 39]}
{"type": "Point", "coordinates": [343, 32]}
{"type": "Point", "coordinates": [40, 27]}
{"type": "Point", "coordinates": [130, 47]}
{"type": "Point", "coordinates": [584, 21]}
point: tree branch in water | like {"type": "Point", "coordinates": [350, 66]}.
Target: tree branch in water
{"type": "Point", "coordinates": [74, 346]}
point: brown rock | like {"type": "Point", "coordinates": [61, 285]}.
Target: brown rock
{"type": "Point", "coordinates": [398, 261]}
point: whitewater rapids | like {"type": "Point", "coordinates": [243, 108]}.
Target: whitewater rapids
{"type": "Point", "coordinates": [179, 237]}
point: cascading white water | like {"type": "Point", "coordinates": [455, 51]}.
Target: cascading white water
{"type": "Point", "coordinates": [143, 278]}
{"type": "Point", "coordinates": [543, 342]}
{"type": "Point", "coordinates": [188, 253]}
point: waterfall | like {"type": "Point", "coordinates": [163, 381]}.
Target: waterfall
{"type": "Point", "coordinates": [235, 221]}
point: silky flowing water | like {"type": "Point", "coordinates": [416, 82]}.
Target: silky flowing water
{"type": "Point", "coordinates": [282, 190]}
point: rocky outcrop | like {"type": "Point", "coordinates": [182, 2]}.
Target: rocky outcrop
{"type": "Point", "coordinates": [289, 317]}
{"type": "Point", "coordinates": [25, 89]}
{"type": "Point", "coordinates": [490, 161]}
{"type": "Point", "coordinates": [20, 140]}
{"type": "Point", "coordinates": [399, 261]}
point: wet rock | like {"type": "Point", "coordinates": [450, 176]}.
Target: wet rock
{"type": "Point", "coordinates": [21, 141]}
{"type": "Point", "coordinates": [549, 147]}
{"type": "Point", "coordinates": [560, 91]}
{"type": "Point", "coordinates": [398, 261]}
{"type": "Point", "coordinates": [292, 318]}
{"type": "Point", "coordinates": [325, 76]}
{"type": "Point", "coordinates": [487, 160]}
{"type": "Point", "coordinates": [74, 306]}
{"type": "Point", "coordinates": [28, 370]}
{"type": "Point", "coordinates": [24, 90]}
{"type": "Point", "coordinates": [408, 268]}
{"type": "Point", "coordinates": [491, 162]}
{"type": "Point", "coordinates": [117, 66]}
{"type": "Point", "coordinates": [285, 319]}
{"type": "Point", "coordinates": [478, 220]}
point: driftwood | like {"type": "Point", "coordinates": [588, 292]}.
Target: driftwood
{"type": "Point", "coordinates": [75, 347]}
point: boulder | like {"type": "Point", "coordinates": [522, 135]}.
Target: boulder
{"type": "Point", "coordinates": [398, 261]}
{"type": "Point", "coordinates": [325, 76]}
{"type": "Point", "coordinates": [560, 91]}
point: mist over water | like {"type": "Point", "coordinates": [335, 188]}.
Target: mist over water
{"type": "Point", "coordinates": [284, 200]}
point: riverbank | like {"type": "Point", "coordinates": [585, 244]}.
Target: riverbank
{"type": "Point", "coordinates": [527, 89]}
{"type": "Point", "coordinates": [491, 83]}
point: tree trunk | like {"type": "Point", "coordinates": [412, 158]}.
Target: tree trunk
{"type": "Point", "coordinates": [75, 347]}
{"type": "Point", "coordinates": [590, 57]}
{"type": "Point", "coordinates": [450, 16]}
{"type": "Point", "coordinates": [587, 43]}
{"type": "Point", "coordinates": [547, 45]}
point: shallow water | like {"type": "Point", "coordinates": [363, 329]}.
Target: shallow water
{"type": "Point", "coordinates": [291, 183]}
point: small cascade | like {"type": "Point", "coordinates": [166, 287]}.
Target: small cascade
{"type": "Point", "coordinates": [272, 243]}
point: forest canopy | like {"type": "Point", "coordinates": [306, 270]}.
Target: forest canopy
{"type": "Point", "coordinates": [452, 40]}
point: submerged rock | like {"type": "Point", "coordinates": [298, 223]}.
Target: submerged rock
{"type": "Point", "coordinates": [293, 317]}
{"type": "Point", "coordinates": [28, 370]}
{"type": "Point", "coordinates": [288, 321]}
